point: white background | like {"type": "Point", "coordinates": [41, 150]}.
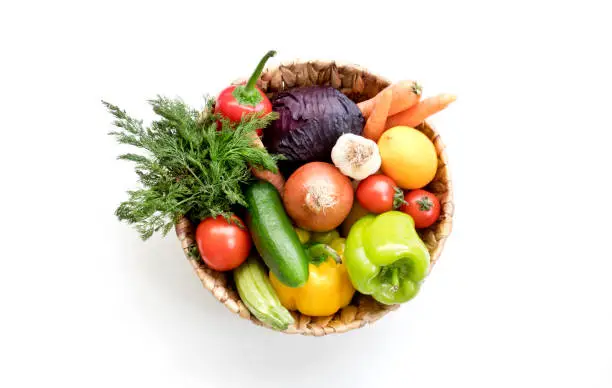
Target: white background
{"type": "Point", "coordinates": [521, 296]}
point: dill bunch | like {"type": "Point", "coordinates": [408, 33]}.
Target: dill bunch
{"type": "Point", "coordinates": [188, 167]}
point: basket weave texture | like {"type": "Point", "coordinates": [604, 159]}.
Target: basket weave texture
{"type": "Point", "coordinates": [358, 84]}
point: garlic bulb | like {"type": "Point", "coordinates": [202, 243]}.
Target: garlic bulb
{"type": "Point", "coordinates": [355, 156]}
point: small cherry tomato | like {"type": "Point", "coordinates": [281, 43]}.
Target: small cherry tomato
{"type": "Point", "coordinates": [378, 194]}
{"type": "Point", "coordinates": [223, 245]}
{"type": "Point", "coordinates": [423, 206]}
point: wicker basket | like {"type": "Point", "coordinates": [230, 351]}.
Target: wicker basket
{"type": "Point", "coordinates": [358, 84]}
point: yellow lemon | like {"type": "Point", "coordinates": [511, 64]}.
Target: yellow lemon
{"type": "Point", "coordinates": [408, 157]}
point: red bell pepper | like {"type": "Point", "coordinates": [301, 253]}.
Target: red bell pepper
{"type": "Point", "coordinates": [237, 100]}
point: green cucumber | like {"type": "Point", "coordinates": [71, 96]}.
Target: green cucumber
{"type": "Point", "coordinates": [258, 295]}
{"type": "Point", "coordinates": [274, 236]}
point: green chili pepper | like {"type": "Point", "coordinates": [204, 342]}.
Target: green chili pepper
{"type": "Point", "coordinates": [386, 258]}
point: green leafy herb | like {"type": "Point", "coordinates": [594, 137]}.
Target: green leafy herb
{"type": "Point", "coordinates": [188, 167]}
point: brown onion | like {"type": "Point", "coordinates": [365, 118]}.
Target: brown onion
{"type": "Point", "coordinates": [318, 197]}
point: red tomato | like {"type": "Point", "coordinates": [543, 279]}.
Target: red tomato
{"type": "Point", "coordinates": [378, 194]}
{"type": "Point", "coordinates": [223, 245]}
{"type": "Point", "coordinates": [423, 206]}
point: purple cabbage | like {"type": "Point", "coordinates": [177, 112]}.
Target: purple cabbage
{"type": "Point", "coordinates": [310, 121]}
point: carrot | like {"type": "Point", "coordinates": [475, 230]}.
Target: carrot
{"type": "Point", "coordinates": [418, 113]}
{"type": "Point", "coordinates": [276, 179]}
{"type": "Point", "coordinates": [405, 95]}
{"type": "Point", "coordinates": [375, 125]}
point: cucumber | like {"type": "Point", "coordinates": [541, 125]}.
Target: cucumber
{"type": "Point", "coordinates": [259, 297]}
{"type": "Point", "coordinates": [274, 236]}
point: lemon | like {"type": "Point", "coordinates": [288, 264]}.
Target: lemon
{"type": "Point", "coordinates": [408, 157]}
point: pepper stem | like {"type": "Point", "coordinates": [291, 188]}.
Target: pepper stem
{"type": "Point", "coordinates": [395, 279]}
{"type": "Point", "coordinates": [319, 252]}
{"type": "Point", "coordinates": [255, 76]}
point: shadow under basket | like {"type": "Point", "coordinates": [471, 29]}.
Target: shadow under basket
{"type": "Point", "coordinates": [358, 84]}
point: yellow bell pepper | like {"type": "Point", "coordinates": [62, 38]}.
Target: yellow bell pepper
{"type": "Point", "coordinates": [328, 289]}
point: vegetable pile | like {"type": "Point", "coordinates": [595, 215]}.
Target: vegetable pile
{"type": "Point", "coordinates": [345, 221]}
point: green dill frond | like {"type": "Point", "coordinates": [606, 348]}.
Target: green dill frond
{"type": "Point", "coordinates": [187, 165]}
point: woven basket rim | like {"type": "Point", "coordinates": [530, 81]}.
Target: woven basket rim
{"type": "Point", "coordinates": [367, 311]}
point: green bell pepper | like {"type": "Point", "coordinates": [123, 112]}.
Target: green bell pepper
{"type": "Point", "coordinates": [386, 258]}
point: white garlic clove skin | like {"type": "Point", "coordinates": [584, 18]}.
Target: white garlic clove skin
{"type": "Point", "coordinates": [355, 156]}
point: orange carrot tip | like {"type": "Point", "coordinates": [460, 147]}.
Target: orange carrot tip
{"type": "Point", "coordinates": [446, 99]}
